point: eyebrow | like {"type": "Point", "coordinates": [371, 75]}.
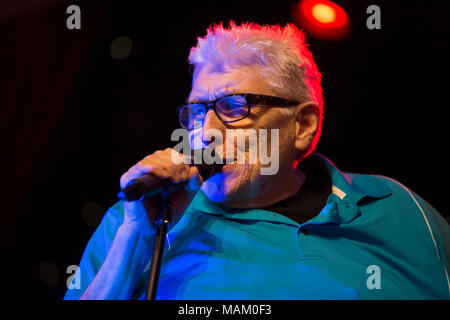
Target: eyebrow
{"type": "Point", "coordinates": [219, 93]}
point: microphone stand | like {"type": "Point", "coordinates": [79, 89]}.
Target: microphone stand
{"type": "Point", "coordinates": [162, 222]}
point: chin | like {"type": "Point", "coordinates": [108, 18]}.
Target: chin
{"type": "Point", "coordinates": [229, 186]}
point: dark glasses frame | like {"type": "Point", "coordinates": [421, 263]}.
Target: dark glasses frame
{"type": "Point", "coordinates": [251, 100]}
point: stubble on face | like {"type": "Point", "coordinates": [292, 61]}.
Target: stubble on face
{"type": "Point", "coordinates": [242, 185]}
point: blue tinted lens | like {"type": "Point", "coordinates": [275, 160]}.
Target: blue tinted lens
{"type": "Point", "coordinates": [232, 108]}
{"type": "Point", "coordinates": [192, 116]}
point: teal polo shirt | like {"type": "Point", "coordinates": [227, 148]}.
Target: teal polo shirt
{"type": "Point", "coordinates": [374, 239]}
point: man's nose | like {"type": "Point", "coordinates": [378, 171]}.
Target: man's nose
{"type": "Point", "coordinates": [211, 121]}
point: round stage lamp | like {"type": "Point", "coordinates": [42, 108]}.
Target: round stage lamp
{"type": "Point", "coordinates": [322, 19]}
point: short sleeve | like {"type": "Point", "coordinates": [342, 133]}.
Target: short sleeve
{"type": "Point", "coordinates": [439, 232]}
{"type": "Point", "coordinates": [424, 222]}
{"type": "Point", "coordinates": [441, 229]}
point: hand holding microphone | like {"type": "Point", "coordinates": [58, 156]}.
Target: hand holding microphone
{"type": "Point", "coordinates": [152, 175]}
{"type": "Point", "coordinates": [149, 185]}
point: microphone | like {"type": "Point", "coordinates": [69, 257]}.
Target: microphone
{"type": "Point", "coordinates": [148, 185]}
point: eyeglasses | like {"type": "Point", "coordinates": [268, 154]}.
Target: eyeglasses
{"type": "Point", "coordinates": [230, 108]}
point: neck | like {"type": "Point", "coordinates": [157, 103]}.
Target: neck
{"type": "Point", "coordinates": [273, 189]}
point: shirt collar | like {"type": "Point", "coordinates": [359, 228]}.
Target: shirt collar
{"type": "Point", "coordinates": [342, 205]}
{"type": "Point", "coordinates": [352, 186]}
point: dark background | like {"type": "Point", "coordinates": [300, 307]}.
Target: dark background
{"type": "Point", "coordinates": [73, 119]}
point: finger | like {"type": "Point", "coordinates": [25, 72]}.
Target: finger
{"type": "Point", "coordinates": [169, 154]}
{"type": "Point", "coordinates": [140, 170]}
{"type": "Point", "coordinates": [179, 172]}
{"type": "Point", "coordinates": [185, 174]}
{"type": "Point", "coordinates": [158, 160]}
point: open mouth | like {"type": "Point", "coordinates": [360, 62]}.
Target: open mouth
{"type": "Point", "coordinates": [208, 170]}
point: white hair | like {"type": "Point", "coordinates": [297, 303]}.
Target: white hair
{"type": "Point", "coordinates": [281, 54]}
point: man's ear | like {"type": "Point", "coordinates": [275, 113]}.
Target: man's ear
{"type": "Point", "coordinates": [306, 125]}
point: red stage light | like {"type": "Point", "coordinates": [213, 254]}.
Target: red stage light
{"type": "Point", "coordinates": [322, 19]}
{"type": "Point", "coordinates": [323, 13]}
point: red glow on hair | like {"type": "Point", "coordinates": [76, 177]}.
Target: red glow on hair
{"type": "Point", "coordinates": [322, 19]}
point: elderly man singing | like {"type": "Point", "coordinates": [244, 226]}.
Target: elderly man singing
{"type": "Point", "coordinates": [308, 231]}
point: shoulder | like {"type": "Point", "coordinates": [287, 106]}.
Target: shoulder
{"type": "Point", "coordinates": [401, 211]}
{"type": "Point", "coordinates": [394, 197]}
{"type": "Point", "coordinates": [379, 185]}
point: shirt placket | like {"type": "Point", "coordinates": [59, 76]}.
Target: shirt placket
{"type": "Point", "coordinates": [336, 211]}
